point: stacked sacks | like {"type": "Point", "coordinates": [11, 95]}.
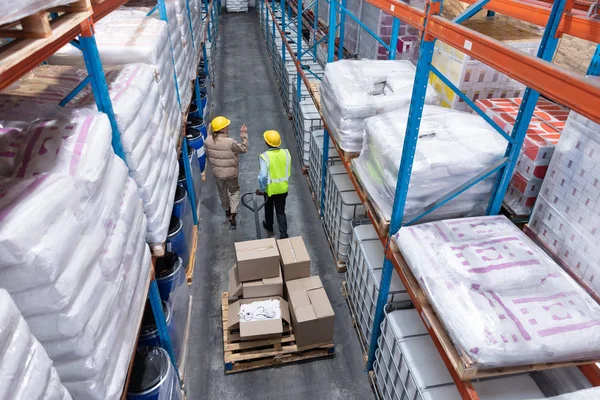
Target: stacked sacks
{"type": "Point", "coordinates": [352, 91]}
{"type": "Point", "coordinates": [128, 36]}
{"type": "Point", "coordinates": [149, 149]}
{"type": "Point", "coordinates": [185, 30]}
{"type": "Point", "coordinates": [196, 11]}
{"type": "Point", "coordinates": [453, 147]}
{"type": "Point", "coordinates": [72, 238]}
{"type": "Point", "coordinates": [26, 371]}
{"type": "Point", "coordinates": [15, 10]}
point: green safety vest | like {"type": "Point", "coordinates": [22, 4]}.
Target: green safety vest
{"type": "Point", "coordinates": [279, 166]}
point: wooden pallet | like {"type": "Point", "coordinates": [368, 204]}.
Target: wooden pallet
{"type": "Point", "coordinates": [462, 364]}
{"type": "Point", "coordinates": [242, 356]}
{"type": "Point", "coordinates": [38, 25]}
{"type": "Point", "coordinates": [182, 362]}
{"type": "Point", "coordinates": [189, 271]}
{"type": "Point", "coordinates": [340, 266]}
{"type": "Point", "coordinates": [382, 225]}
{"type": "Point", "coordinates": [361, 339]}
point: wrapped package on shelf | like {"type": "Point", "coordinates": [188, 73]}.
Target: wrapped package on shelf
{"type": "Point", "coordinates": [26, 371]}
{"type": "Point", "coordinates": [237, 5]}
{"type": "Point", "coordinates": [128, 36]}
{"type": "Point", "coordinates": [73, 239]}
{"type": "Point", "coordinates": [585, 394]}
{"type": "Point", "coordinates": [409, 366]}
{"type": "Point", "coordinates": [149, 148]}
{"type": "Point", "coordinates": [452, 148]}
{"type": "Point", "coordinates": [11, 11]}
{"type": "Point", "coordinates": [502, 299]}
{"type": "Point", "coordinates": [352, 91]}
{"type": "Point", "coordinates": [566, 216]}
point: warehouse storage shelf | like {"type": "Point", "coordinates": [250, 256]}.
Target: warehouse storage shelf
{"type": "Point", "coordinates": [75, 24]}
{"type": "Point", "coordinates": [575, 93]}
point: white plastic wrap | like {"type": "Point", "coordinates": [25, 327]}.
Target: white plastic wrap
{"type": "Point", "coordinates": [453, 147]}
{"type": "Point", "coordinates": [149, 146]}
{"type": "Point", "coordinates": [14, 10]}
{"type": "Point", "coordinates": [503, 301]}
{"type": "Point", "coordinates": [26, 371]}
{"type": "Point", "coordinates": [586, 394]}
{"type": "Point", "coordinates": [352, 91]}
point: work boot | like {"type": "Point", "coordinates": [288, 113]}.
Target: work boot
{"type": "Point", "coordinates": [270, 229]}
{"type": "Point", "coordinates": [228, 214]}
{"type": "Point", "coordinates": [232, 220]}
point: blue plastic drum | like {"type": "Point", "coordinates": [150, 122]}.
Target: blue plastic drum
{"type": "Point", "coordinates": [176, 240]}
{"type": "Point", "coordinates": [195, 140]}
{"type": "Point", "coordinates": [204, 100]}
{"type": "Point", "coordinates": [149, 331]}
{"type": "Point", "coordinates": [194, 112]}
{"type": "Point", "coordinates": [169, 274]}
{"type": "Point", "coordinates": [198, 123]}
{"type": "Point", "coordinates": [180, 203]}
{"type": "Point", "coordinates": [202, 84]}
{"type": "Point", "coordinates": [152, 376]}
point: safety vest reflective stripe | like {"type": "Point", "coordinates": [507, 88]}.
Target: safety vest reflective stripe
{"type": "Point", "coordinates": [278, 174]}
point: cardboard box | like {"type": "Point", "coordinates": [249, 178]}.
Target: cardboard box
{"type": "Point", "coordinates": [295, 260]}
{"type": "Point", "coordinates": [263, 287]}
{"type": "Point", "coordinates": [257, 259]}
{"type": "Point", "coordinates": [312, 315]}
{"type": "Point", "coordinates": [235, 286]}
{"type": "Point", "coordinates": [257, 329]}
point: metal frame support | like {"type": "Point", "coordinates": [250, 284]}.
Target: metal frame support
{"type": "Point", "coordinates": [343, 29]}
{"type": "Point", "coordinates": [162, 8]}
{"type": "Point", "coordinates": [189, 183]}
{"type": "Point", "coordinates": [315, 28]}
{"type": "Point", "coordinates": [432, 7]}
{"type": "Point", "coordinates": [546, 51]}
{"type": "Point", "coordinates": [283, 12]}
{"type": "Point", "coordinates": [394, 39]}
{"type": "Point", "coordinates": [471, 11]}
{"type": "Point", "coordinates": [594, 68]}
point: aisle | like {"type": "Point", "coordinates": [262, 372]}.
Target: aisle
{"type": "Point", "coordinates": [247, 93]}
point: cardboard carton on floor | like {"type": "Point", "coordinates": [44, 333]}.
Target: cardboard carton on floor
{"type": "Point", "coordinates": [263, 287]}
{"type": "Point", "coordinates": [257, 259]}
{"type": "Point", "coordinates": [295, 260]}
{"type": "Point", "coordinates": [235, 286]}
{"type": "Point", "coordinates": [263, 329]}
{"type": "Point", "coordinates": [311, 311]}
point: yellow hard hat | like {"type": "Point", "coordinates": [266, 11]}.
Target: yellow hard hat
{"type": "Point", "coordinates": [219, 123]}
{"type": "Point", "coordinates": [272, 138]}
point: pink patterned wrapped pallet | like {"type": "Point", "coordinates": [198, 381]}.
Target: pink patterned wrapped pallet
{"type": "Point", "coordinates": [503, 301]}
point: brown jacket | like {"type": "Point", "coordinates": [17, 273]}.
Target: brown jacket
{"type": "Point", "coordinates": [222, 154]}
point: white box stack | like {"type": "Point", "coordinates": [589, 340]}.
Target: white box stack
{"type": "Point", "coordinates": [342, 205]}
{"type": "Point", "coordinates": [316, 157]}
{"type": "Point", "coordinates": [237, 6]}
{"type": "Point", "coordinates": [363, 275]}
{"type": "Point", "coordinates": [408, 366]}
{"type": "Point", "coordinates": [566, 217]}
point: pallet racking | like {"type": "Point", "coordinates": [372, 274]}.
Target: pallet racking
{"type": "Point", "coordinates": [75, 24]}
{"type": "Point", "coordinates": [537, 73]}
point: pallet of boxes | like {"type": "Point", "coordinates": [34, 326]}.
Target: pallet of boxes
{"type": "Point", "coordinates": [275, 312]}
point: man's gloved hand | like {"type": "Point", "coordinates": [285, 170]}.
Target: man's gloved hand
{"type": "Point", "coordinates": [258, 192]}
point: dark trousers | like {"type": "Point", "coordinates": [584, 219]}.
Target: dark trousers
{"type": "Point", "coordinates": [277, 200]}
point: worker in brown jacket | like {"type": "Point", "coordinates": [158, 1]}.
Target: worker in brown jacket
{"type": "Point", "coordinates": [222, 155]}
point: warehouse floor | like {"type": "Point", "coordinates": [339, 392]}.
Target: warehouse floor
{"type": "Point", "coordinates": [246, 92]}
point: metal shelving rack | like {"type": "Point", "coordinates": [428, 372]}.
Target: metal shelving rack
{"type": "Point", "coordinates": [537, 73]}
{"type": "Point", "coordinates": [21, 56]}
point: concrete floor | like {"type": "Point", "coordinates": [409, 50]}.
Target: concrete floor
{"type": "Point", "coordinates": [247, 92]}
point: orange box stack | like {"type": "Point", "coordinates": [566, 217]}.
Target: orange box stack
{"type": "Point", "coordinates": [546, 125]}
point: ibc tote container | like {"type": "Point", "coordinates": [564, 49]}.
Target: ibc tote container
{"type": "Point", "coordinates": [315, 159]}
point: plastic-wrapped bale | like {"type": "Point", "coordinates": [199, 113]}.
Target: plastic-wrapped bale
{"type": "Point", "coordinates": [26, 371]}
{"type": "Point", "coordinates": [352, 91]}
{"type": "Point", "coordinates": [237, 5]}
{"type": "Point", "coordinates": [453, 147]}
{"type": "Point", "coordinates": [409, 366]}
{"type": "Point", "coordinates": [11, 11]}
{"type": "Point", "coordinates": [566, 216]}
{"type": "Point", "coordinates": [502, 299]}
{"type": "Point", "coordinates": [474, 78]}
{"type": "Point", "coordinates": [586, 394]}
{"type": "Point", "coordinates": [342, 206]}
{"type": "Point", "coordinates": [316, 160]}
{"type": "Point", "coordinates": [72, 237]}
{"type": "Point", "coordinates": [149, 149]}
{"type": "Point", "coordinates": [363, 276]}
{"type": "Point", "coordinates": [128, 36]}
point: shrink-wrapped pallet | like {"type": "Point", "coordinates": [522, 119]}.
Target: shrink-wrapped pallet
{"type": "Point", "coordinates": [26, 371]}
{"type": "Point", "coordinates": [452, 148]}
{"type": "Point", "coordinates": [352, 91]}
{"type": "Point", "coordinates": [72, 235]}
{"type": "Point", "coordinates": [502, 299]}
{"type": "Point", "coordinates": [11, 11]}
{"type": "Point", "coordinates": [149, 149]}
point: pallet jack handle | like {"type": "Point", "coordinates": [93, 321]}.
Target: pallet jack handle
{"type": "Point", "coordinates": [255, 208]}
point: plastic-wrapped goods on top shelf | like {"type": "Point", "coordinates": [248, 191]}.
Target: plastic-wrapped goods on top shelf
{"type": "Point", "coordinates": [502, 299]}
{"type": "Point", "coordinates": [26, 371]}
{"type": "Point", "coordinates": [566, 217]}
{"type": "Point", "coordinates": [586, 394]}
{"type": "Point", "coordinates": [72, 238]}
{"type": "Point", "coordinates": [408, 366]}
{"type": "Point", "coordinates": [125, 37]}
{"type": "Point", "coordinates": [11, 11]}
{"type": "Point", "coordinates": [237, 5]}
{"type": "Point", "coordinates": [544, 130]}
{"type": "Point", "coordinates": [149, 149]}
{"type": "Point", "coordinates": [352, 91]}
{"type": "Point", "coordinates": [474, 78]}
{"type": "Point", "coordinates": [453, 147]}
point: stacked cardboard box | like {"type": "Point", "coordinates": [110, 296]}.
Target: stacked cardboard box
{"type": "Point", "coordinates": [474, 78]}
{"type": "Point", "coordinates": [543, 133]}
{"type": "Point", "coordinates": [260, 272]}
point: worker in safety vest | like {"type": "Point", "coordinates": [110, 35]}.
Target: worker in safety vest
{"type": "Point", "coordinates": [275, 168]}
